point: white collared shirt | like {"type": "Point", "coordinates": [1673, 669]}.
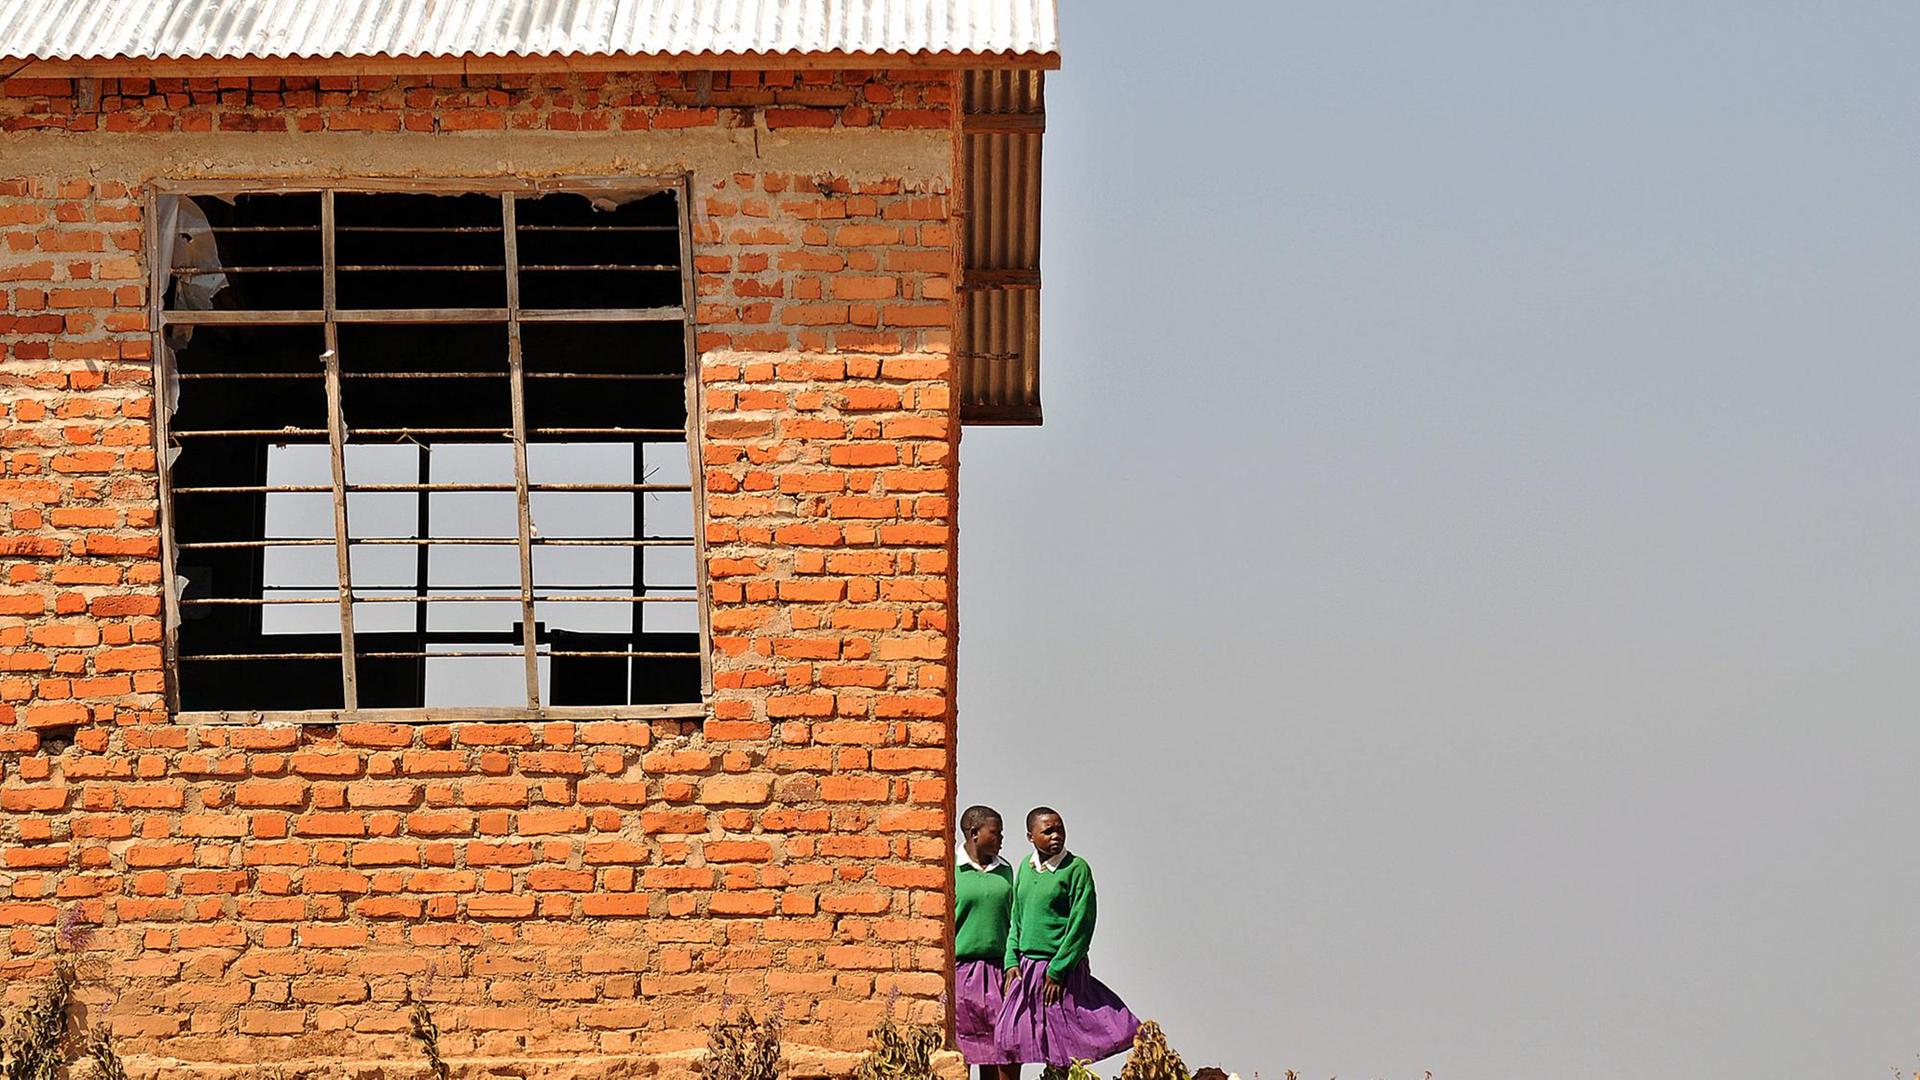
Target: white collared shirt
{"type": "Point", "coordinates": [964, 859]}
{"type": "Point", "coordinates": [1050, 865]}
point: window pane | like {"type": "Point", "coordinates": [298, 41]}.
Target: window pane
{"type": "Point", "coordinates": [612, 250]}
{"type": "Point", "coordinates": [242, 253]}
{"type": "Point", "coordinates": [419, 251]}
{"type": "Point", "coordinates": [486, 681]}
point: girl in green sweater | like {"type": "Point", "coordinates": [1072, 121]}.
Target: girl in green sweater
{"type": "Point", "coordinates": [1055, 1010]}
{"type": "Point", "coordinates": [982, 906]}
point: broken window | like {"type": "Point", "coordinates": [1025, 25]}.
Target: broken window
{"type": "Point", "coordinates": [429, 451]}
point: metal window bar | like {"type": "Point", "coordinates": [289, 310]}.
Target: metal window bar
{"type": "Point", "coordinates": [435, 541]}
{"type": "Point", "coordinates": [437, 598]}
{"type": "Point", "coordinates": [337, 449]}
{"type": "Point", "coordinates": [313, 489]}
{"type": "Point", "coordinates": [316, 316]}
{"type": "Point", "coordinates": [329, 316]}
{"type": "Point", "coordinates": [417, 654]}
{"type": "Point", "coordinates": [607, 376]}
{"type": "Point", "coordinates": [517, 384]}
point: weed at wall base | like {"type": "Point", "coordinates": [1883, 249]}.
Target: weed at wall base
{"type": "Point", "coordinates": [743, 1048]}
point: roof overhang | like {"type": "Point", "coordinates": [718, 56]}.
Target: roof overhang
{"type": "Point", "coordinates": [136, 38]}
{"type": "Point", "coordinates": [240, 67]}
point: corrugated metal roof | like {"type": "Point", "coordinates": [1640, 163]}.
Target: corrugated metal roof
{"type": "Point", "coordinates": [270, 29]}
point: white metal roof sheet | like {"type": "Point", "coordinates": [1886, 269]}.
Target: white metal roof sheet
{"type": "Point", "coordinates": [268, 29]}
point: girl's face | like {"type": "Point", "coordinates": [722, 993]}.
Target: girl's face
{"type": "Point", "coordinates": [1049, 835]}
{"type": "Point", "coordinates": [986, 841]}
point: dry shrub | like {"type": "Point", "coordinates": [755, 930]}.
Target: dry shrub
{"type": "Point", "coordinates": [106, 1060]}
{"type": "Point", "coordinates": [35, 1038]}
{"type": "Point", "coordinates": [1152, 1058]}
{"type": "Point", "coordinates": [743, 1048]}
{"type": "Point", "coordinates": [900, 1052]}
{"type": "Point", "coordinates": [1081, 1069]}
{"type": "Point", "coordinates": [427, 1034]}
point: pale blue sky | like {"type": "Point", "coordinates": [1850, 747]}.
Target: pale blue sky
{"type": "Point", "coordinates": [1466, 595]}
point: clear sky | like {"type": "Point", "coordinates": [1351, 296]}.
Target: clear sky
{"type": "Point", "coordinates": [1466, 595]}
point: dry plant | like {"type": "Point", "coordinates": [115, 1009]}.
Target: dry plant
{"type": "Point", "coordinates": [34, 1040]}
{"type": "Point", "coordinates": [1152, 1058]}
{"type": "Point", "coordinates": [106, 1061]}
{"type": "Point", "coordinates": [1080, 1069]}
{"type": "Point", "coordinates": [34, 1044]}
{"type": "Point", "coordinates": [900, 1052]}
{"type": "Point", "coordinates": [427, 1034]}
{"type": "Point", "coordinates": [743, 1048]}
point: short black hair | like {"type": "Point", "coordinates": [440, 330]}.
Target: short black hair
{"type": "Point", "coordinates": [975, 816]}
{"type": "Point", "coordinates": [1037, 812]}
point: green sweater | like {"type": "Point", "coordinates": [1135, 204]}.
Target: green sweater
{"type": "Point", "coordinates": [1053, 916]}
{"type": "Point", "coordinates": [982, 904]}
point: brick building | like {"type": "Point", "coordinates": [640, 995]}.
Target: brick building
{"type": "Point", "coordinates": [480, 488]}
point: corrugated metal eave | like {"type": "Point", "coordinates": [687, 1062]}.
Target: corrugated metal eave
{"type": "Point", "coordinates": [180, 30]}
{"type": "Point", "coordinates": [1048, 60]}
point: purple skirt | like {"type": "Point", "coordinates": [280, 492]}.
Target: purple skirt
{"type": "Point", "coordinates": [976, 1005]}
{"type": "Point", "coordinates": [1089, 1022]}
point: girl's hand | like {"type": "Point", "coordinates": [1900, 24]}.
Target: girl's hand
{"type": "Point", "coordinates": [1051, 993]}
{"type": "Point", "coordinates": [1012, 974]}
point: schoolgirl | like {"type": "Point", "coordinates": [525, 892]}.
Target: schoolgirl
{"type": "Point", "coordinates": [982, 908]}
{"type": "Point", "coordinates": [1054, 1010]}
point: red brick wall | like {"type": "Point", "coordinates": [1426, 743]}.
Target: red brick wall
{"type": "Point", "coordinates": [560, 893]}
{"type": "Point", "coordinates": [775, 100]}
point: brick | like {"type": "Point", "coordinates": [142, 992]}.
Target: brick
{"type": "Point", "coordinates": [385, 853]}
{"type": "Point", "coordinates": [383, 793]}
{"type": "Point", "coordinates": [19, 799]}
{"type": "Point", "coordinates": [678, 877]}
{"type": "Point", "coordinates": [495, 735]}
{"type": "Point", "coordinates": [855, 788]}
{"type": "Point", "coordinates": [601, 852]}
{"type": "Point", "coordinates": [231, 826]}
{"type": "Point", "coordinates": [614, 905]}
{"type": "Point", "coordinates": [500, 907]}
{"type": "Point", "coordinates": [272, 1021]}
{"type": "Point", "coordinates": [389, 907]}
{"type": "Point", "coordinates": [330, 823]}
{"type": "Point", "coordinates": [440, 822]}
{"type": "Point", "coordinates": [724, 851]}
{"type": "Point", "coordinates": [735, 790]}
{"type": "Point", "coordinates": [689, 822]}
{"type": "Point", "coordinates": [377, 736]}
{"type": "Point", "coordinates": [133, 658]}
{"type": "Point", "coordinates": [327, 764]}
{"type": "Point", "coordinates": [494, 793]}
{"type": "Point", "coordinates": [160, 854]}
{"type": "Point", "coordinates": [616, 733]}
{"type": "Point", "coordinates": [546, 822]}
{"type": "Point", "coordinates": [614, 792]}
{"type": "Point", "coordinates": [554, 879]}
{"type": "Point", "coordinates": [277, 793]}
{"type": "Point", "coordinates": [333, 881]}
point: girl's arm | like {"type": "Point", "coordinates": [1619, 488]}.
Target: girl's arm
{"type": "Point", "coordinates": [1013, 929]}
{"type": "Point", "coordinates": [1078, 935]}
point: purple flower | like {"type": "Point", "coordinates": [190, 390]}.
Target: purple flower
{"type": "Point", "coordinates": [71, 933]}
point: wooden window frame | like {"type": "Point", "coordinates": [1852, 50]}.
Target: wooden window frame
{"type": "Point", "coordinates": [330, 317]}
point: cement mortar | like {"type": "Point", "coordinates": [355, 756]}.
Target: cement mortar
{"type": "Point", "coordinates": [922, 160]}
